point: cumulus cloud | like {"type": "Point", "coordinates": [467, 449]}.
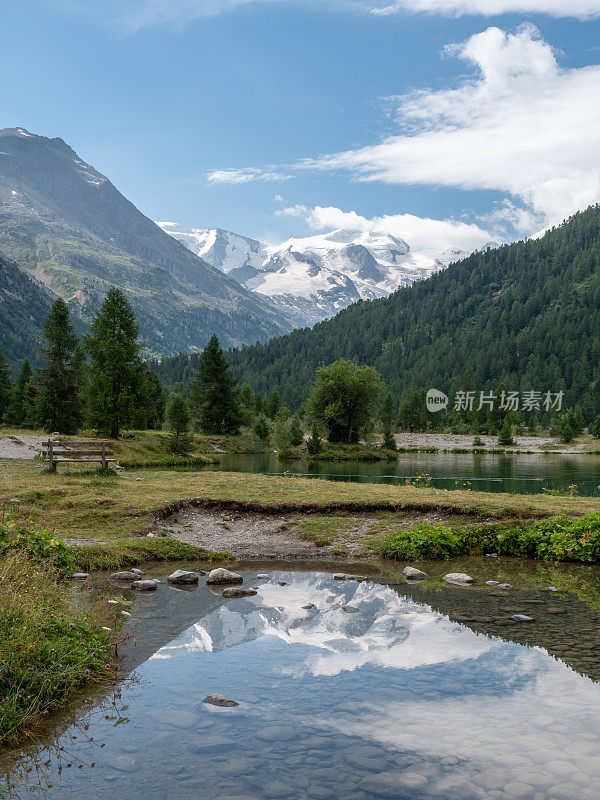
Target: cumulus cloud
{"type": "Point", "coordinates": [522, 126]}
{"type": "Point", "coordinates": [423, 234]}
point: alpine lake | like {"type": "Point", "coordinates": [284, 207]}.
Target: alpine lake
{"type": "Point", "coordinates": [358, 689]}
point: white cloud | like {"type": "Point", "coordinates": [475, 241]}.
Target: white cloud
{"type": "Point", "coordinates": [582, 9]}
{"type": "Point", "coordinates": [137, 14]}
{"type": "Point", "coordinates": [245, 175]}
{"type": "Point", "coordinates": [522, 126]}
{"type": "Point", "coordinates": [422, 233]}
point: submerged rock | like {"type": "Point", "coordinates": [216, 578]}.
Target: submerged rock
{"type": "Point", "coordinates": [183, 576]}
{"type": "Point", "coordinates": [350, 609]}
{"type": "Point", "coordinates": [145, 586]}
{"type": "Point", "coordinates": [238, 591]}
{"type": "Point", "coordinates": [342, 576]}
{"type": "Point", "coordinates": [282, 583]}
{"type": "Point", "coordinates": [220, 700]}
{"type": "Point", "coordinates": [308, 606]}
{"type": "Point", "coordinates": [505, 585]}
{"type": "Point", "coordinates": [521, 618]}
{"type": "Point", "coordinates": [123, 576]}
{"type": "Point", "coordinates": [261, 576]}
{"type": "Point", "coordinates": [222, 575]}
{"type": "Point", "coordinates": [80, 576]}
{"type": "Point", "coordinates": [136, 571]}
{"type": "Point", "coordinates": [459, 578]}
{"type": "Point", "coordinates": [414, 574]}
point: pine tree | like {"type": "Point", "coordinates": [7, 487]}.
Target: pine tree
{"type": "Point", "coordinates": [389, 441]}
{"type": "Point", "coordinates": [313, 445]}
{"type": "Point", "coordinates": [114, 384]}
{"type": "Point", "coordinates": [261, 429]}
{"type": "Point", "coordinates": [386, 412]}
{"type": "Point", "coordinates": [178, 422]}
{"type": "Point", "coordinates": [273, 404]}
{"type": "Point", "coordinates": [296, 432]}
{"type": "Point", "coordinates": [22, 409]}
{"type": "Point", "coordinates": [5, 385]}
{"type": "Point", "coordinates": [214, 398]}
{"type": "Point", "coordinates": [505, 436]}
{"type": "Point", "coordinates": [60, 379]}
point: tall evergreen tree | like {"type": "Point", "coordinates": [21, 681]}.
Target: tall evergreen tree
{"type": "Point", "coordinates": [60, 379]}
{"type": "Point", "coordinates": [115, 372]}
{"type": "Point", "coordinates": [5, 385]}
{"type": "Point", "coordinates": [22, 409]}
{"type": "Point", "coordinates": [214, 397]}
{"type": "Point", "coordinates": [177, 419]}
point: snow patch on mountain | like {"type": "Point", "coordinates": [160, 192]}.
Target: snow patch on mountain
{"type": "Point", "coordinates": [311, 278]}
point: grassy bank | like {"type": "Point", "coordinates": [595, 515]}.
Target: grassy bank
{"type": "Point", "coordinates": [340, 452]}
{"type": "Point", "coordinates": [553, 539]}
{"type": "Point", "coordinates": [47, 651]}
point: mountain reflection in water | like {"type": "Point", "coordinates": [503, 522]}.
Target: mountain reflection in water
{"type": "Point", "coordinates": [370, 694]}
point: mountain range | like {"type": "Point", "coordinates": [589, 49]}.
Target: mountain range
{"type": "Point", "coordinates": [75, 235]}
{"type": "Point", "coordinates": [525, 314]}
{"type": "Point", "coordinates": [312, 278]}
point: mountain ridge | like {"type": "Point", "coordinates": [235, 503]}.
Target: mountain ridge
{"type": "Point", "coordinates": [311, 278]}
{"type": "Point", "coordinates": [66, 225]}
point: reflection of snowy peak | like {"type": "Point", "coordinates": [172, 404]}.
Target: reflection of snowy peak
{"type": "Point", "coordinates": [312, 278]}
{"type": "Point", "coordinates": [353, 624]}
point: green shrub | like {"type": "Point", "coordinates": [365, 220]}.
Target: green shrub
{"type": "Point", "coordinates": [38, 544]}
{"type": "Point", "coordinates": [553, 539]}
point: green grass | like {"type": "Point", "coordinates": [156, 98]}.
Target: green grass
{"type": "Point", "coordinates": [324, 530]}
{"type": "Point", "coordinates": [47, 650]}
{"type": "Point", "coordinates": [553, 539]}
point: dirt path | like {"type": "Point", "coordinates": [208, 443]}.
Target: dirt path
{"type": "Point", "coordinates": [21, 447]}
{"type": "Point", "coordinates": [450, 441]}
{"type": "Point", "coordinates": [262, 536]}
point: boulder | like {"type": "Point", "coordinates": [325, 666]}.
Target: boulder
{"type": "Point", "coordinates": [414, 574]}
{"type": "Point", "coordinates": [220, 700]}
{"type": "Point", "coordinates": [182, 576]}
{"type": "Point", "coordinates": [123, 576]}
{"type": "Point", "coordinates": [238, 591]}
{"type": "Point", "coordinates": [222, 575]}
{"type": "Point", "coordinates": [491, 583]}
{"type": "Point", "coordinates": [136, 571]}
{"type": "Point", "coordinates": [459, 578]}
{"type": "Point", "coordinates": [521, 618]}
{"type": "Point", "coordinates": [505, 585]}
{"type": "Point", "coordinates": [144, 586]}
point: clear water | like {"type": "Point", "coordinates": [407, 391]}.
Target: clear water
{"type": "Point", "coordinates": [520, 473]}
{"type": "Point", "coordinates": [379, 692]}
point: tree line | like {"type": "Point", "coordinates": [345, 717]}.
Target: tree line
{"type": "Point", "coordinates": [525, 316]}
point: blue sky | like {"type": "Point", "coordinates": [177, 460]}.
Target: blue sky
{"type": "Point", "coordinates": [267, 118]}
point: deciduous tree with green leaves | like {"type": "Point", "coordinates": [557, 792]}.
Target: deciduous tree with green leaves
{"type": "Point", "coordinates": [214, 396]}
{"type": "Point", "coordinates": [115, 368]}
{"type": "Point", "coordinates": [60, 406]}
{"type": "Point", "coordinates": [344, 398]}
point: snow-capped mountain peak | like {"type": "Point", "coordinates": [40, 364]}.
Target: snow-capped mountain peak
{"type": "Point", "coordinates": [311, 278]}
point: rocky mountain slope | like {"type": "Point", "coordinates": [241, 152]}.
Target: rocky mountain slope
{"type": "Point", "coordinates": [312, 278]}
{"type": "Point", "coordinates": [66, 225]}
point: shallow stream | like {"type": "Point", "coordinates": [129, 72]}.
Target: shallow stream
{"type": "Point", "coordinates": [378, 691]}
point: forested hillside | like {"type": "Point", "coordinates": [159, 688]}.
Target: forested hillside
{"type": "Point", "coordinates": [527, 314]}
{"type": "Point", "coordinates": [23, 306]}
